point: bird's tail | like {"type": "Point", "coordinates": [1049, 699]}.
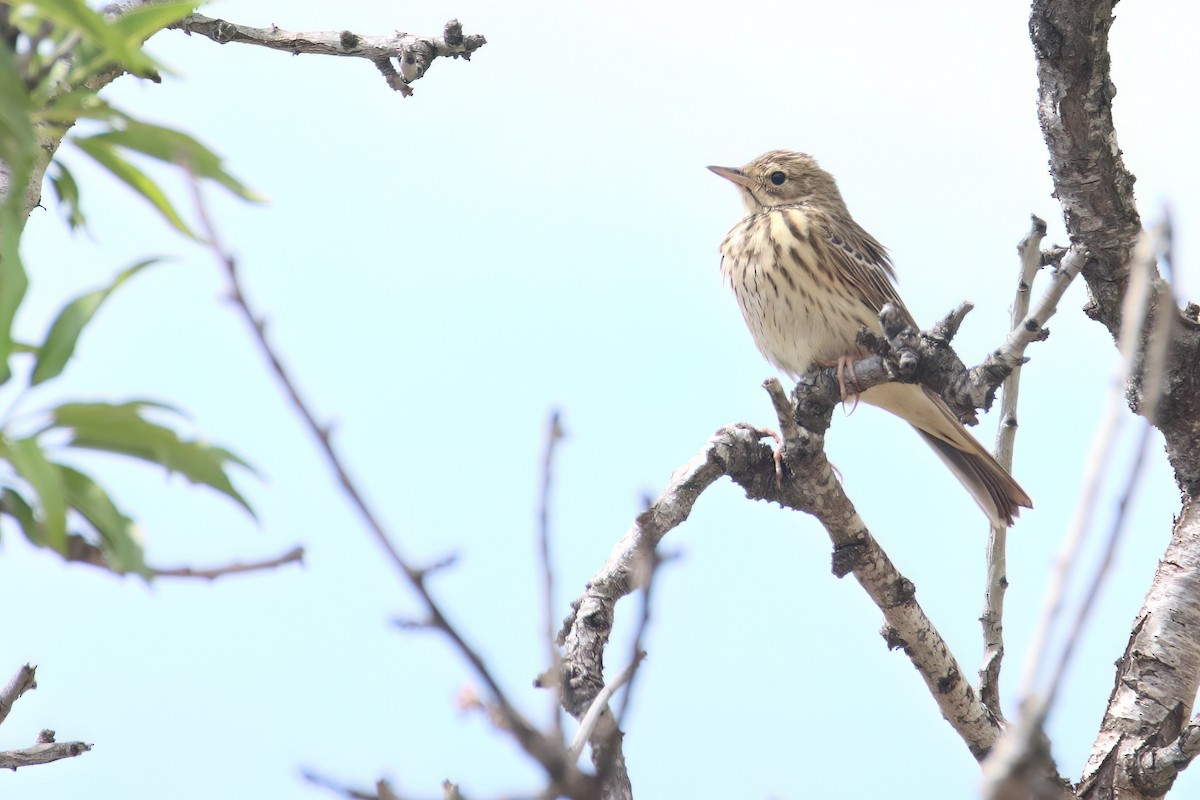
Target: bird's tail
{"type": "Point", "coordinates": [996, 492]}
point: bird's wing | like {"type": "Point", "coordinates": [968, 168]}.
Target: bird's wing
{"type": "Point", "coordinates": [864, 264]}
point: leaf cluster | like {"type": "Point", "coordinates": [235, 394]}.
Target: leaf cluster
{"type": "Point", "coordinates": [55, 57]}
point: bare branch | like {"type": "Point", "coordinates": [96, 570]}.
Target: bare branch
{"type": "Point", "coordinates": [554, 434]}
{"type": "Point", "coordinates": [414, 53]}
{"type": "Point", "coordinates": [548, 751]}
{"type": "Point", "coordinates": [809, 486]}
{"type": "Point", "coordinates": [973, 388]}
{"type": "Point", "coordinates": [1134, 313]}
{"type": "Point", "coordinates": [649, 564]}
{"type": "Point", "coordinates": [345, 790]}
{"type": "Point", "coordinates": [295, 555]}
{"type": "Point", "coordinates": [44, 752]}
{"type": "Point", "coordinates": [997, 564]}
{"type": "Point", "coordinates": [1070, 40]}
{"type": "Point", "coordinates": [1157, 676]}
{"type": "Point", "coordinates": [587, 629]}
{"type": "Point", "coordinates": [1036, 704]}
{"type": "Point", "coordinates": [82, 551]}
{"type": "Point", "coordinates": [588, 723]}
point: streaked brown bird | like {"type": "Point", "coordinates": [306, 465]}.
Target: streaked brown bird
{"type": "Point", "coordinates": [807, 278]}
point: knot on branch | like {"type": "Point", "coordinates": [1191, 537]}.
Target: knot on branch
{"type": "Point", "coordinates": [899, 592]}
{"type": "Point", "coordinates": [223, 33]}
{"type": "Point", "coordinates": [893, 638]}
{"type": "Point", "coordinates": [415, 58]}
{"type": "Point", "coordinates": [849, 557]}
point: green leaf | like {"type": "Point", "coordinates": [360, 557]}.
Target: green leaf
{"type": "Point", "coordinates": [75, 15]}
{"type": "Point", "coordinates": [64, 333]}
{"type": "Point", "coordinates": [16, 507]}
{"type": "Point", "coordinates": [67, 192]}
{"type": "Point", "coordinates": [138, 24]}
{"type": "Point", "coordinates": [18, 149]}
{"type": "Point", "coordinates": [107, 156]}
{"type": "Point", "coordinates": [67, 107]}
{"type": "Point", "coordinates": [178, 148]}
{"type": "Point", "coordinates": [122, 550]}
{"type": "Point", "coordinates": [18, 141]}
{"type": "Point", "coordinates": [13, 281]}
{"type": "Point", "coordinates": [122, 429]}
{"type": "Point", "coordinates": [115, 47]}
{"type": "Point", "coordinates": [30, 462]}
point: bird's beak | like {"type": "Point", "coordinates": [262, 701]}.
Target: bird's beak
{"type": "Point", "coordinates": [731, 174]}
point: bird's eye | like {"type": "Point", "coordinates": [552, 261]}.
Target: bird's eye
{"type": "Point", "coordinates": [778, 178]}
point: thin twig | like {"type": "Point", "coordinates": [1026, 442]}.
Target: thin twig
{"type": "Point", "coordinates": [1097, 457]}
{"type": "Point", "coordinates": [588, 723]}
{"type": "Point", "coordinates": [295, 555]}
{"type": "Point", "coordinates": [992, 620]}
{"type": "Point", "coordinates": [80, 550]}
{"type": "Point", "coordinates": [547, 751]}
{"type": "Point", "coordinates": [649, 565]}
{"type": "Point", "coordinates": [1136, 310]}
{"type": "Point", "coordinates": [1116, 529]}
{"type": "Point", "coordinates": [1032, 327]}
{"type": "Point", "coordinates": [554, 434]}
{"type": "Point", "coordinates": [345, 790]}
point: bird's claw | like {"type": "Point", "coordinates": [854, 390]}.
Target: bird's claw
{"type": "Point", "coordinates": [844, 367]}
{"type": "Point", "coordinates": [776, 453]}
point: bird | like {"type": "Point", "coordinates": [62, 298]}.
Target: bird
{"type": "Point", "coordinates": [807, 278]}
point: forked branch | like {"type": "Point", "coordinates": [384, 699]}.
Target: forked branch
{"type": "Point", "coordinates": [413, 54]}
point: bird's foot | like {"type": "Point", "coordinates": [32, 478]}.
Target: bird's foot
{"type": "Point", "coordinates": [776, 453]}
{"type": "Point", "coordinates": [845, 369]}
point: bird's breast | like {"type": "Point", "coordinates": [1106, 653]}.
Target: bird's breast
{"type": "Point", "coordinates": [796, 303]}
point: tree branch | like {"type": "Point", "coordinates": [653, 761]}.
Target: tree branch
{"type": "Point", "coordinates": [1158, 677]}
{"type": "Point", "coordinates": [414, 53]}
{"type": "Point", "coordinates": [549, 752]}
{"type": "Point", "coordinates": [922, 357]}
{"type": "Point", "coordinates": [295, 555]}
{"type": "Point", "coordinates": [1070, 40]}
{"type": "Point", "coordinates": [44, 752]}
{"type": "Point", "coordinates": [810, 486]}
{"type": "Point", "coordinates": [1157, 768]}
{"type": "Point", "coordinates": [554, 435]}
{"type": "Point", "coordinates": [1156, 681]}
{"type": "Point", "coordinates": [997, 566]}
{"type": "Point", "coordinates": [82, 551]}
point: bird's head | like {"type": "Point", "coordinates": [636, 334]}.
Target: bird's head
{"type": "Point", "coordinates": [781, 178]}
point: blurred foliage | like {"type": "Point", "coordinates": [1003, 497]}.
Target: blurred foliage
{"type": "Point", "coordinates": [55, 57]}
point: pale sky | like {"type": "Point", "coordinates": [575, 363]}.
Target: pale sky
{"type": "Point", "coordinates": [535, 228]}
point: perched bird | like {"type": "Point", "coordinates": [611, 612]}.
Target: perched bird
{"type": "Point", "coordinates": [807, 278]}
